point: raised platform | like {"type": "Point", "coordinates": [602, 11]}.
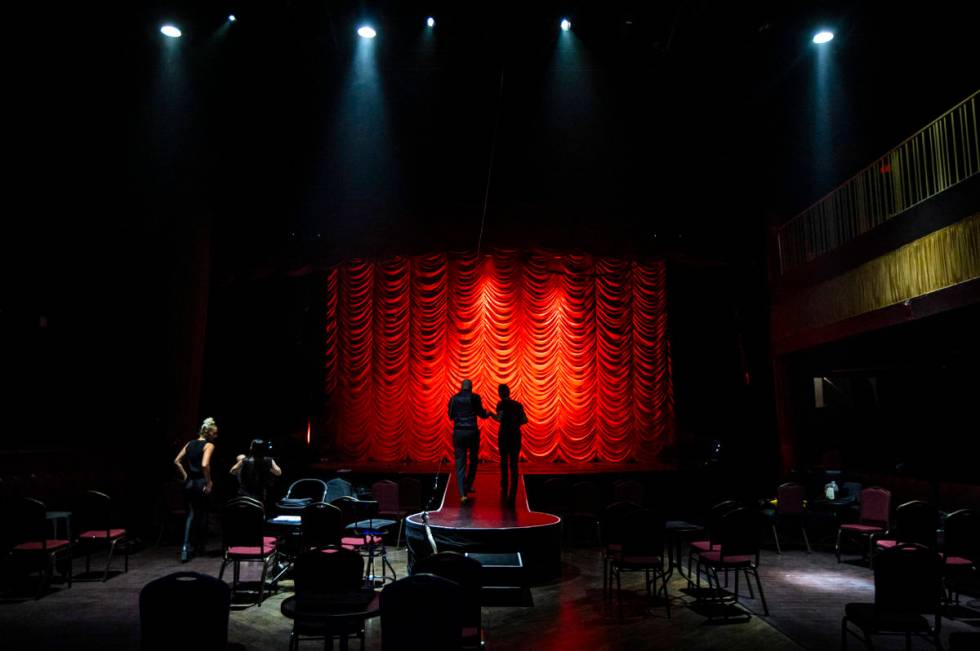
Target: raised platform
{"type": "Point", "coordinates": [487, 524]}
{"type": "Point", "coordinates": [526, 468]}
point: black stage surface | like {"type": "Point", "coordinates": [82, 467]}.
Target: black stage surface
{"type": "Point", "coordinates": [489, 524]}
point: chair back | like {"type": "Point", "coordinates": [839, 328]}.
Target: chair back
{"type": "Point", "coordinates": [645, 536]}
{"type": "Point", "coordinates": [715, 515]}
{"type": "Point", "coordinates": [585, 499]}
{"type": "Point", "coordinates": [410, 494]}
{"type": "Point", "coordinates": [329, 570]}
{"type": "Point", "coordinates": [466, 571]}
{"type": "Point", "coordinates": [422, 611]}
{"type": "Point", "coordinates": [350, 510]}
{"type": "Point", "coordinates": [962, 534]}
{"type": "Point", "coordinates": [739, 533]}
{"type": "Point", "coordinates": [916, 522]}
{"type": "Point", "coordinates": [876, 505]}
{"type": "Point", "coordinates": [313, 489]}
{"type": "Point", "coordinates": [908, 579]}
{"type": "Point", "coordinates": [616, 522]}
{"type": "Point", "coordinates": [338, 487]}
{"type": "Point", "coordinates": [850, 490]}
{"type": "Point", "coordinates": [322, 525]}
{"type": "Point", "coordinates": [628, 490]}
{"type": "Point", "coordinates": [385, 492]}
{"type": "Point", "coordinates": [243, 524]}
{"type": "Point", "coordinates": [789, 499]}
{"type": "Point", "coordinates": [184, 604]}
{"type": "Point", "coordinates": [29, 522]}
{"type": "Point", "coordinates": [94, 512]}
{"type": "Point", "coordinates": [556, 496]}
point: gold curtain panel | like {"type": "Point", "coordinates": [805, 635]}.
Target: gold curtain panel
{"type": "Point", "coordinates": [941, 259]}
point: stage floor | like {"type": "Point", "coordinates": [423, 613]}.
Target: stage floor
{"type": "Point", "coordinates": [485, 509]}
{"type": "Point", "coordinates": [486, 466]}
{"type": "Point", "coordinates": [488, 524]}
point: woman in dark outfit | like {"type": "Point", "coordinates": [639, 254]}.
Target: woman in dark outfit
{"type": "Point", "coordinates": [255, 472]}
{"type": "Point", "coordinates": [197, 486]}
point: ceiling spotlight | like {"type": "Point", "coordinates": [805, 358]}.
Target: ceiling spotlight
{"type": "Point", "coordinates": [565, 24]}
{"type": "Point", "coordinates": [171, 31]}
{"type": "Point", "coordinates": [366, 31]}
{"type": "Point", "coordinates": [823, 37]}
{"type": "Point", "coordinates": [430, 21]}
{"type": "Point", "coordinates": [231, 18]}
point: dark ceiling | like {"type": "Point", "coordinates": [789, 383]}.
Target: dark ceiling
{"type": "Point", "coordinates": [676, 127]}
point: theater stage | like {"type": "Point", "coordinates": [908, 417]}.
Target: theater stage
{"type": "Point", "coordinates": [487, 524]}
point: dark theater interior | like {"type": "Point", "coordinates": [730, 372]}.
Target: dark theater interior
{"type": "Point", "coordinates": [491, 325]}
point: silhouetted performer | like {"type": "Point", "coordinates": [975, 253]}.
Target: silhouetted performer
{"type": "Point", "coordinates": [197, 486]}
{"type": "Point", "coordinates": [511, 415]}
{"type": "Point", "coordinates": [464, 408]}
{"type": "Point", "coordinates": [255, 472]}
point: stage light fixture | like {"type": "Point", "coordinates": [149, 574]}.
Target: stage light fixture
{"type": "Point", "coordinates": [822, 37]}
{"type": "Point", "coordinates": [366, 31]}
{"type": "Point", "coordinates": [171, 31]}
{"type": "Point", "coordinates": [430, 21]}
{"type": "Point", "coordinates": [231, 18]}
{"type": "Point", "coordinates": [566, 24]}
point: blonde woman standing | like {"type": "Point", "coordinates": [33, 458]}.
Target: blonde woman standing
{"type": "Point", "coordinates": [196, 455]}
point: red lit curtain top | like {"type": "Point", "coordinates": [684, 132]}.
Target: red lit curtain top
{"type": "Point", "coordinates": [580, 340]}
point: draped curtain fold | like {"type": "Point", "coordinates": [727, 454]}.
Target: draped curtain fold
{"type": "Point", "coordinates": [581, 341]}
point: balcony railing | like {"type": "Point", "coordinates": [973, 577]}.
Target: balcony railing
{"type": "Point", "coordinates": [935, 159]}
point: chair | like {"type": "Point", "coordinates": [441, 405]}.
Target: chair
{"type": "Point", "coordinates": [961, 548]}
{"type": "Point", "coordinates": [338, 487]}
{"type": "Point", "coordinates": [182, 604]}
{"type": "Point", "coordinates": [409, 495]}
{"type": "Point", "coordinates": [385, 492]}
{"type": "Point", "coordinates": [915, 522]}
{"type": "Point", "coordinates": [243, 540]}
{"type": "Point", "coordinates": [95, 517]}
{"type": "Point", "coordinates": [737, 549]}
{"type": "Point", "coordinates": [322, 577]}
{"type": "Point", "coordinates": [614, 527]}
{"type": "Point", "coordinates": [585, 505]}
{"type": "Point", "coordinates": [29, 532]}
{"type": "Point", "coordinates": [367, 534]}
{"type": "Point", "coordinates": [642, 550]}
{"type": "Point", "coordinates": [422, 611]}
{"type": "Point", "coordinates": [872, 521]}
{"type": "Point", "coordinates": [850, 491]}
{"type": "Point", "coordinates": [301, 493]}
{"type": "Point", "coordinates": [467, 572]}
{"type": "Point", "coordinates": [908, 585]}
{"type": "Point", "coordinates": [628, 490]}
{"type": "Point", "coordinates": [322, 525]}
{"type": "Point", "coordinates": [712, 528]}
{"type": "Point", "coordinates": [789, 506]}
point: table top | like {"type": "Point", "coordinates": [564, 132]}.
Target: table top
{"type": "Point", "coordinates": [361, 604]}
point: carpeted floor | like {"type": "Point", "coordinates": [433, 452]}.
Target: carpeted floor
{"type": "Point", "coordinates": [806, 595]}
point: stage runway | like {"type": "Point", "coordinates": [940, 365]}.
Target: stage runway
{"type": "Point", "coordinates": [490, 525]}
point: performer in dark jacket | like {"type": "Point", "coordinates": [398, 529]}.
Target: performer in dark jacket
{"type": "Point", "coordinates": [511, 415]}
{"type": "Point", "coordinates": [464, 408]}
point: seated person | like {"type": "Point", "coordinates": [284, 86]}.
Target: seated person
{"type": "Point", "coordinates": [256, 471]}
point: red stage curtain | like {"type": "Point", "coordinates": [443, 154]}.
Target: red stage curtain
{"type": "Point", "coordinates": [581, 340]}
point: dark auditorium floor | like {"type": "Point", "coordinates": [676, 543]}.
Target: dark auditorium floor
{"type": "Point", "coordinates": [806, 595]}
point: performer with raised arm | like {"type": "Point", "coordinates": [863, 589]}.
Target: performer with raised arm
{"type": "Point", "coordinates": [464, 408]}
